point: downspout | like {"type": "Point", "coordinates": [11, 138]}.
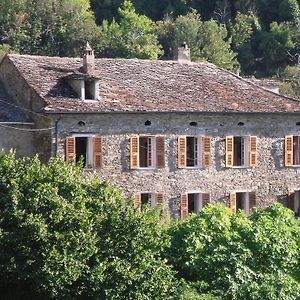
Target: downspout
{"type": "Point", "coordinates": [56, 135]}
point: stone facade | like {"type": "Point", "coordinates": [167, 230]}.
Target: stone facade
{"type": "Point", "coordinates": [270, 179]}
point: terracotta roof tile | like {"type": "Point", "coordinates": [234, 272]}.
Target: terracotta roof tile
{"type": "Point", "coordinates": [146, 85]}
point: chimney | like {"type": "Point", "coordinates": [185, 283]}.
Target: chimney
{"type": "Point", "coordinates": [88, 59]}
{"type": "Point", "coordinates": [183, 55]}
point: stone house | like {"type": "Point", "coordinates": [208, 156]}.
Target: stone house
{"type": "Point", "coordinates": [174, 132]}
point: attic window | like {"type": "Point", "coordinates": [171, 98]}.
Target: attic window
{"type": "Point", "coordinates": [193, 124]}
{"type": "Point", "coordinates": [91, 90]}
{"type": "Point", "coordinates": [241, 124]}
{"type": "Point", "coordinates": [147, 123]}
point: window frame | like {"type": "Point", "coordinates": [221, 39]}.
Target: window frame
{"type": "Point", "coordinates": [199, 158]}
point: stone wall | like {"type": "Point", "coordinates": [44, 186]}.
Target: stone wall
{"type": "Point", "coordinates": [270, 179]}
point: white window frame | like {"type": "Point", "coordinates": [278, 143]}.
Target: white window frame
{"type": "Point", "coordinates": [199, 152]}
{"type": "Point", "coordinates": [89, 148]}
{"type": "Point", "coordinates": [245, 200]}
{"type": "Point", "coordinates": [199, 201]}
{"type": "Point", "coordinates": [152, 152]}
{"type": "Point", "coordinates": [245, 159]}
{"type": "Point", "coordinates": [153, 201]}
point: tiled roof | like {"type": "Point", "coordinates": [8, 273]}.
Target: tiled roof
{"type": "Point", "coordinates": [146, 85]}
{"type": "Point", "coordinates": [9, 110]}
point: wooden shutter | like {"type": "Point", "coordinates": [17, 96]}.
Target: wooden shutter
{"type": "Point", "coordinates": [205, 199]}
{"type": "Point", "coordinates": [288, 150]}
{"type": "Point", "coordinates": [206, 151]}
{"type": "Point", "coordinates": [134, 152]}
{"type": "Point", "coordinates": [290, 200]}
{"type": "Point", "coordinates": [137, 201]}
{"type": "Point", "coordinates": [181, 152]}
{"type": "Point", "coordinates": [229, 152]}
{"type": "Point", "coordinates": [232, 202]}
{"type": "Point", "coordinates": [253, 151]}
{"type": "Point", "coordinates": [184, 207]}
{"type": "Point", "coordinates": [97, 144]}
{"type": "Point", "coordinates": [160, 152]}
{"type": "Point", "coordinates": [252, 200]}
{"type": "Point", "coordinates": [70, 149]}
{"type": "Point", "coordinates": [160, 198]}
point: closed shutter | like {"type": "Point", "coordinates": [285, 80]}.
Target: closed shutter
{"type": "Point", "coordinates": [206, 151]}
{"type": "Point", "coordinates": [160, 198]}
{"type": "Point", "coordinates": [229, 152]}
{"type": "Point", "coordinates": [184, 208]}
{"type": "Point", "coordinates": [97, 142]}
{"type": "Point", "coordinates": [134, 152]}
{"type": "Point", "coordinates": [252, 200]}
{"type": "Point", "coordinates": [70, 149]}
{"type": "Point", "coordinates": [182, 152]}
{"type": "Point", "coordinates": [160, 152]}
{"type": "Point", "coordinates": [253, 151]}
{"type": "Point", "coordinates": [137, 201]}
{"type": "Point", "coordinates": [290, 200]}
{"type": "Point", "coordinates": [288, 150]}
{"type": "Point", "coordinates": [205, 199]}
{"type": "Point", "coordinates": [232, 202]}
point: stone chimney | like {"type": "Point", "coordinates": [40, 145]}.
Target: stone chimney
{"type": "Point", "coordinates": [183, 55]}
{"type": "Point", "coordinates": [88, 59]}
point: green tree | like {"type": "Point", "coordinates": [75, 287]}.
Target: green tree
{"type": "Point", "coordinates": [291, 82]}
{"type": "Point", "coordinates": [63, 236]}
{"type": "Point", "coordinates": [132, 37]}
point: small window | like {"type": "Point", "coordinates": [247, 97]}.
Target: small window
{"type": "Point", "coordinates": [148, 123]}
{"type": "Point", "coordinates": [85, 148]}
{"type": "Point", "coordinates": [292, 201]}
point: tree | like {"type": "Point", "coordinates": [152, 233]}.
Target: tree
{"type": "Point", "coordinates": [132, 37]}
{"type": "Point", "coordinates": [63, 236]}
{"type": "Point", "coordinates": [291, 82]}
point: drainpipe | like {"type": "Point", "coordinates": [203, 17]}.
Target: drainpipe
{"type": "Point", "coordinates": [56, 135]}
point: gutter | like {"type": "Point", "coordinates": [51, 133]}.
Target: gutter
{"type": "Point", "coordinates": [17, 123]}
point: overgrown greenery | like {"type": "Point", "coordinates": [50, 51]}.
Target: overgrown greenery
{"type": "Point", "coordinates": [260, 37]}
{"type": "Point", "coordinates": [66, 235]}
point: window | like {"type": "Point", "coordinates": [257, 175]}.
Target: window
{"type": "Point", "coordinates": [152, 199]}
{"type": "Point", "coordinates": [91, 89]}
{"type": "Point", "coordinates": [292, 150]}
{"type": "Point", "coordinates": [242, 200]}
{"type": "Point", "coordinates": [292, 201]}
{"type": "Point", "coordinates": [192, 203]}
{"type": "Point", "coordinates": [194, 151]}
{"type": "Point", "coordinates": [147, 152]}
{"type": "Point", "coordinates": [87, 148]}
{"type": "Point", "coordinates": [241, 151]}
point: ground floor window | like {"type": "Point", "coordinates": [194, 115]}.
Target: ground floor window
{"type": "Point", "coordinates": [292, 201]}
{"type": "Point", "coordinates": [193, 203]}
{"type": "Point", "coordinates": [242, 200]}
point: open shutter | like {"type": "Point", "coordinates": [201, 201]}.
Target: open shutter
{"type": "Point", "coordinates": [137, 201]}
{"type": "Point", "coordinates": [253, 151]}
{"type": "Point", "coordinates": [160, 197]}
{"type": "Point", "coordinates": [252, 200]}
{"type": "Point", "coordinates": [206, 151]}
{"type": "Point", "coordinates": [232, 202]}
{"type": "Point", "coordinates": [70, 149]}
{"type": "Point", "coordinates": [205, 199]}
{"type": "Point", "coordinates": [181, 152]}
{"type": "Point", "coordinates": [184, 209]}
{"type": "Point", "coordinates": [288, 150]}
{"type": "Point", "coordinates": [134, 152]}
{"type": "Point", "coordinates": [97, 142]}
{"type": "Point", "coordinates": [229, 152]}
{"type": "Point", "coordinates": [290, 200]}
{"type": "Point", "coordinates": [160, 152]}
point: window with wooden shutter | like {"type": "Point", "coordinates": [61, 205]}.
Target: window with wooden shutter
{"type": "Point", "coordinates": [160, 198]}
{"type": "Point", "coordinates": [181, 152]}
{"type": "Point", "coordinates": [288, 150]}
{"type": "Point", "coordinates": [137, 201]}
{"type": "Point", "coordinates": [206, 141]}
{"type": "Point", "coordinates": [134, 152]}
{"type": "Point", "coordinates": [252, 200]}
{"type": "Point", "coordinates": [97, 147]}
{"type": "Point", "coordinates": [253, 151]}
{"type": "Point", "coordinates": [183, 206]}
{"type": "Point", "coordinates": [160, 152]}
{"type": "Point", "coordinates": [205, 199]}
{"type": "Point", "coordinates": [70, 149]}
{"type": "Point", "coordinates": [232, 202]}
{"type": "Point", "coordinates": [229, 151]}
{"type": "Point", "coordinates": [291, 200]}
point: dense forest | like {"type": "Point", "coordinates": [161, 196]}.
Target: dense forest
{"type": "Point", "coordinates": [252, 37]}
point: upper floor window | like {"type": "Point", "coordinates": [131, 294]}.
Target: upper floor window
{"type": "Point", "coordinates": [192, 203]}
{"type": "Point", "coordinates": [194, 151]}
{"type": "Point", "coordinates": [242, 200]}
{"type": "Point", "coordinates": [241, 151]}
{"type": "Point", "coordinates": [86, 148]}
{"type": "Point", "coordinates": [292, 150]}
{"type": "Point", "coordinates": [146, 198]}
{"type": "Point", "coordinates": [147, 152]}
